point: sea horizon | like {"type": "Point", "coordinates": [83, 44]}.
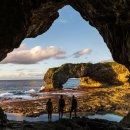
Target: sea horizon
{"type": "Point", "coordinates": [18, 79]}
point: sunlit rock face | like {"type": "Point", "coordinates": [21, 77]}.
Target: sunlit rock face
{"type": "Point", "coordinates": [100, 74]}
{"type": "Point", "coordinates": [28, 18]}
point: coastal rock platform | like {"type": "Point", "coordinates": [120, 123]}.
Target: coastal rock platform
{"type": "Point", "coordinates": [90, 100]}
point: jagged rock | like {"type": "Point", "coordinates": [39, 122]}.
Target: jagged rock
{"type": "Point", "coordinates": [3, 117]}
{"type": "Point", "coordinates": [126, 120]}
{"type": "Point", "coordinates": [20, 19]}
{"type": "Point", "coordinates": [98, 74]}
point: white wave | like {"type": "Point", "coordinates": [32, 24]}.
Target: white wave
{"type": "Point", "coordinates": [11, 95]}
{"type": "Point", "coordinates": [30, 91]}
{"type": "Point", "coordinates": [42, 88]}
{"type": "Point", "coordinates": [27, 97]}
{"type": "Point", "coordinates": [7, 95]}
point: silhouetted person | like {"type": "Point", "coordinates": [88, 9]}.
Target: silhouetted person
{"type": "Point", "coordinates": [73, 106]}
{"type": "Point", "coordinates": [49, 108]}
{"type": "Point", "coordinates": [61, 106]}
{"type": "Point", "coordinates": [3, 117]}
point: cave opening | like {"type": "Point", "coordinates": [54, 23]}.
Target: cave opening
{"type": "Point", "coordinates": [70, 39]}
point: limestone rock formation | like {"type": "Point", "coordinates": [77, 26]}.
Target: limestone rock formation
{"type": "Point", "coordinates": [20, 19]}
{"type": "Point", "coordinates": [99, 74]}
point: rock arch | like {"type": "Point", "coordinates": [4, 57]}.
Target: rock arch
{"type": "Point", "coordinates": [88, 73]}
{"type": "Point", "coordinates": [21, 19]}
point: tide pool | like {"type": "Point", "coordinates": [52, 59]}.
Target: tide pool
{"type": "Point", "coordinates": [44, 117]}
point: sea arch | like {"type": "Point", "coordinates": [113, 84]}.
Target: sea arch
{"type": "Point", "coordinates": [98, 74]}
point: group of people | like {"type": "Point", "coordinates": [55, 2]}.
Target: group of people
{"type": "Point", "coordinates": [61, 106]}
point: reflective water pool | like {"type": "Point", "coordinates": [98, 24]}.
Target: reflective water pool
{"type": "Point", "coordinates": [43, 117]}
{"type": "Point", "coordinates": [110, 117]}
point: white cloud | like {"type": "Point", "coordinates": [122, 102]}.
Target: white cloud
{"type": "Point", "coordinates": [82, 52]}
{"type": "Point", "coordinates": [34, 55]}
{"type": "Point", "coordinates": [23, 74]}
{"type": "Point", "coordinates": [107, 60]}
{"type": "Point", "coordinates": [27, 74]}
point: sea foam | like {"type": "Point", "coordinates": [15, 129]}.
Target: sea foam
{"type": "Point", "coordinates": [18, 94]}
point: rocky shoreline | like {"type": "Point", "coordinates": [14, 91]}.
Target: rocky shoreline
{"type": "Point", "coordinates": [91, 100]}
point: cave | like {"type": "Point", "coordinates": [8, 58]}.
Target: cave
{"type": "Point", "coordinates": [20, 19]}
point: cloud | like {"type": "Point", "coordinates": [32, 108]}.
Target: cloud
{"type": "Point", "coordinates": [107, 60]}
{"type": "Point", "coordinates": [82, 52]}
{"type": "Point", "coordinates": [28, 70]}
{"type": "Point", "coordinates": [28, 74]}
{"type": "Point", "coordinates": [21, 75]}
{"type": "Point", "coordinates": [34, 55]}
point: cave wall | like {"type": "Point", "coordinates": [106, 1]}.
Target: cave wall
{"type": "Point", "coordinates": [20, 19]}
{"type": "Point", "coordinates": [112, 19]}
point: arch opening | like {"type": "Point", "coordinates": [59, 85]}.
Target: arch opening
{"type": "Point", "coordinates": [72, 83]}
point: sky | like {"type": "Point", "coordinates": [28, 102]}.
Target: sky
{"type": "Point", "coordinates": [70, 39]}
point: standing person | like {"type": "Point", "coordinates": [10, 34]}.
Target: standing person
{"type": "Point", "coordinates": [3, 117]}
{"type": "Point", "coordinates": [73, 106]}
{"type": "Point", "coordinates": [61, 106]}
{"type": "Point", "coordinates": [49, 108]}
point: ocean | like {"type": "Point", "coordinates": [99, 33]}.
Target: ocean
{"type": "Point", "coordinates": [23, 88]}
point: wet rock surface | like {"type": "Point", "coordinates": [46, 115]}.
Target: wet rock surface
{"type": "Point", "coordinates": [91, 100]}
{"type": "Point", "coordinates": [21, 19]}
